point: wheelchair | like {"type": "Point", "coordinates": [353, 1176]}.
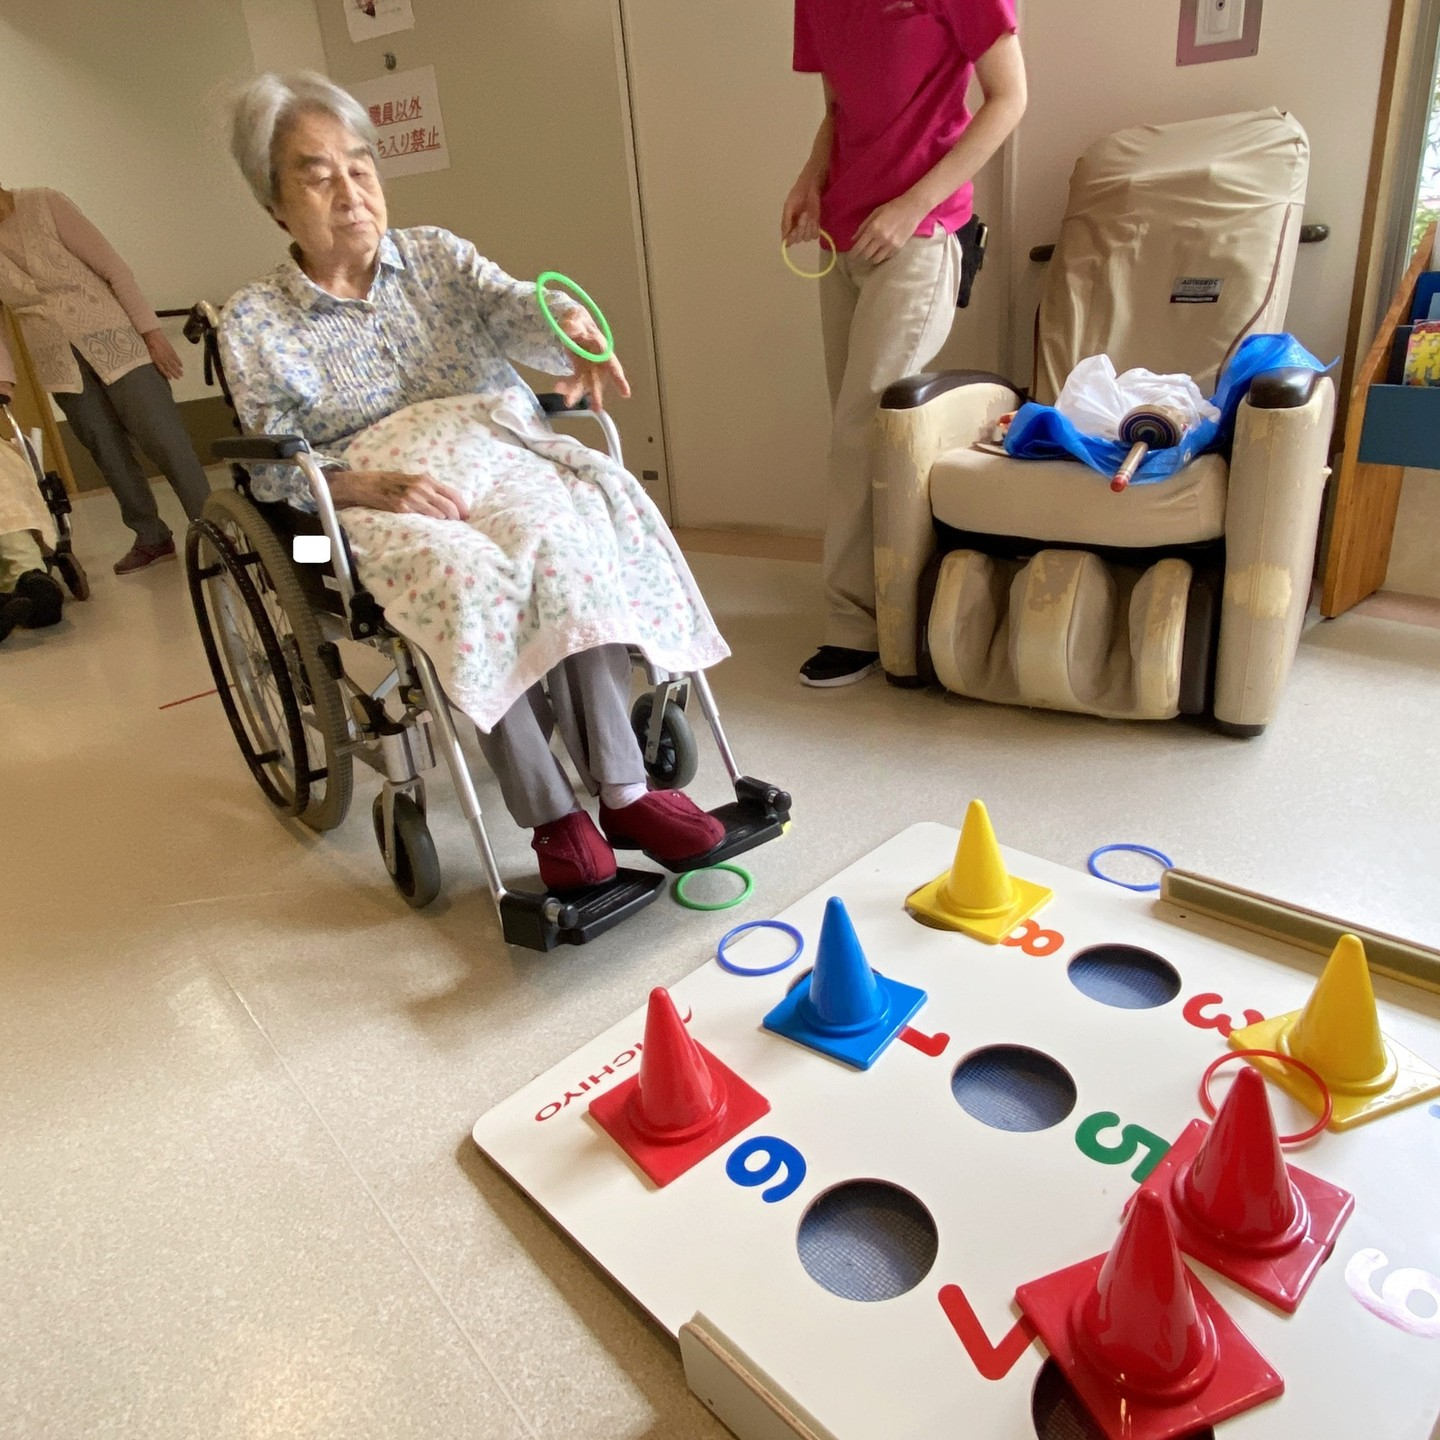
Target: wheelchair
{"type": "Point", "coordinates": [60, 557]}
{"type": "Point", "coordinates": [273, 631]}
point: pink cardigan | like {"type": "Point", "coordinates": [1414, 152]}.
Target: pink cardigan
{"type": "Point", "coordinates": [95, 252]}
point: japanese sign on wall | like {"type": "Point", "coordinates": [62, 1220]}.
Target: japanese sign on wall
{"type": "Point", "coordinates": [369, 18]}
{"type": "Point", "coordinates": [405, 109]}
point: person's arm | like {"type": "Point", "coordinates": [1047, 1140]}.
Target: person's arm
{"type": "Point", "coordinates": [800, 217]}
{"type": "Point", "coordinates": [1001, 73]}
{"type": "Point", "coordinates": [91, 248]}
{"type": "Point", "coordinates": [510, 309]}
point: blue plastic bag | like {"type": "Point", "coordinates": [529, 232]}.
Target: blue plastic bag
{"type": "Point", "coordinates": [1040, 432]}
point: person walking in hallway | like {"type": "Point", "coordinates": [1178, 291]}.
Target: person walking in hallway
{"type": "Point", "coordinates": [99, 350]}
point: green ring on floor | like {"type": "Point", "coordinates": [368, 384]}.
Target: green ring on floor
{"type": "Point", "coordinates": [744, 895]}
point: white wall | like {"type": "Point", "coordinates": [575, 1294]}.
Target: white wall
{"type": "Point", "coordinates": [1100, 66]}
{"type": "Point", "coordinates": [117, 106]}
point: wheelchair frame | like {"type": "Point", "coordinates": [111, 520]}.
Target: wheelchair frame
{"type": "Point", "coordinates": [396, 726]}
{"type": "Point", "coordinates": [61, 557]}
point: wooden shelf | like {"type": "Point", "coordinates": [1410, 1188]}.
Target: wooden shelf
{"type": "Point", "coordinates": [1367, 495]}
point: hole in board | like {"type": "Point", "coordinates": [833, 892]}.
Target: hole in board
{"type": "Point", "coordinates": [1011, 1087]}
{"type": "Point", "coordinates": [1124, 976]}
{"type": "Point", "coordinates": [867, 1240]}
{"type": "Point", "coordinates": [1058, 1413]}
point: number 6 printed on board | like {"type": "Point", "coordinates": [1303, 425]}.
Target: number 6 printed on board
{"type": "Point", "coordinates": [1392, 1302]}
{"type": "Point", "coordinates": [775, 1156]}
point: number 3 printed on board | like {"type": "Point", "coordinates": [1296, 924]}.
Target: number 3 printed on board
{"type": "Point", "coordinates": [1197, 1005]}
{"type": "Point", "coordinates": [775, 1156]}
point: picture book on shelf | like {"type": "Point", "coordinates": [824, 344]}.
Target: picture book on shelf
{"type": "Point", "coordinates": [1422, 354]}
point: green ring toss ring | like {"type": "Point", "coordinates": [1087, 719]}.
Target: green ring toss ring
{"type": "Point", "coordinates": [739, 870]}
{"type": "Point", "coordinates": [826, 241]}
{"type": "Point", "coordinates": [594, 357]}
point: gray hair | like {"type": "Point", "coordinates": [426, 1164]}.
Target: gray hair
{"type": "Point", "coordinates": [267, 106]}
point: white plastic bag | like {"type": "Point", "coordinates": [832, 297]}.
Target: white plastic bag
{"type": "Point", "coordinates": [1095, 400]}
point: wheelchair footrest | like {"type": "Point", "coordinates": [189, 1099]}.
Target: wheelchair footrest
{"type": "Point", "coordinates": [758, 814]}
{"type": "Point", "coordinates": [572, 917]}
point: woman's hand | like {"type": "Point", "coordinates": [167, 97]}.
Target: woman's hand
{"type": "Point", "coordinates": [398, 492]}
{"type": "Point", "coordinates": [888, 228]}
{"type": "Point", "coordinates": [800, 217]}
{"type": "Point", "coordinates": [162, 354]}
{"type": "Point", "coordinates": [589, 378]}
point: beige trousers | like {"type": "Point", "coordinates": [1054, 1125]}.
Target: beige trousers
{"type": "Point", "coordinates": [18, 553]}
{"type": "Point", "coordinates": [880, 323]}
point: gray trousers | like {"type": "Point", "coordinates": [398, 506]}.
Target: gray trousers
{"type": "Point", "coordinates": [138, 405]}
{"type": "Point", "coordinates": [589, 703]}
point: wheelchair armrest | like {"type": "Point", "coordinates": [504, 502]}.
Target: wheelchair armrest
{"type": "Point", "coordinates": [259, 449]}
{"type": "Point", "coordinates": [553, 404]}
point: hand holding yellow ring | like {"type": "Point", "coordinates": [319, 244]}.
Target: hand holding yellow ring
{"type": "Point", "coordinates": [825, 240]}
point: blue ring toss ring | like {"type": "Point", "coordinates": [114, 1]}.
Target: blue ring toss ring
{"type": "Point", "coordinates": [729, 935]}
{"type": "Point", "coordinates": [738, 870]}
{"type": "Point", "coordinates": [1159, 855]}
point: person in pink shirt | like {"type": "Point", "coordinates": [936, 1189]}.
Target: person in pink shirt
{"type": "Point", "coordinates": [889, 180]}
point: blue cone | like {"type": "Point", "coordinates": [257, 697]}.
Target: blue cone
{"type": "Point", "coordinates": [847, 1012]}
{"type": "Point", "coordinates": [844, 997]}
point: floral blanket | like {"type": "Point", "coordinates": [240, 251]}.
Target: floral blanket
{"type": "Point", "coordinates": [562, 551]}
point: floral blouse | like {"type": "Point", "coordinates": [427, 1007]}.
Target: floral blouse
{"type": "Point", "coordinates": [439, 320]}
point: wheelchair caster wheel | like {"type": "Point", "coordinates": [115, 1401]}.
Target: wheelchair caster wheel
{"type": "Point", "coordinates": [415, 872]}
{"type": "Point", "coordinates": [676, 759]}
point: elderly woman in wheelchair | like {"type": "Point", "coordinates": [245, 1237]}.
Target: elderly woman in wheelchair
{"type": "Point", "coordinates": [517, 568]}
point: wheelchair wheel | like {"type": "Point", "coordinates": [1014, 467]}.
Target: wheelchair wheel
{"type": "Point", "coordinates": [324, 756]}
{"type": "Point", "coordinates": [249, 667]}
{"type": "Point", "coordinates": [72, 572]}
{"type": "Point", "coordinates": [677, 759]}
{"type": "Point", "coordinates": [416, 872]}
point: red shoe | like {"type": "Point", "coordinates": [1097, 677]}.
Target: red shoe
{"type": "Point", "coordinates": [139, 557]}
{"type": "Point", "coordinates": [666, 824]}
{"type": "Point", "coordinates": [572, 853]}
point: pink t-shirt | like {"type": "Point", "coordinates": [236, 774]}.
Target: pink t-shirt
{"type": "Point", "coordinates": [899, 70]}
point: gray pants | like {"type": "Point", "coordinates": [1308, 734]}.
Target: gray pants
{"type": "Point", "coordinates": [138, 405]}
{"type": "Point", "coordinates": [589, 703]}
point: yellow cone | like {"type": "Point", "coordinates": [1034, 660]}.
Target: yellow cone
{"type": "Point", "coordinates": [978, 895]}
{"type": "Point", "coordinates": [1338, 1032]}
{"type": "Point", "coordinates": [1338, 1035]}
{"type": "Point", "coordinates": [978, 886]}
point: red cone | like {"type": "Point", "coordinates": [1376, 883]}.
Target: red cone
{"type": "Point", "coordinates": [678, 1097]}
{"type": "Point", "coordinates": [684, 1103]}
{"type": "Point", "coordinates": [1238, 1188]}
{"type": "Point", "coordinates": [1139, 1325]}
